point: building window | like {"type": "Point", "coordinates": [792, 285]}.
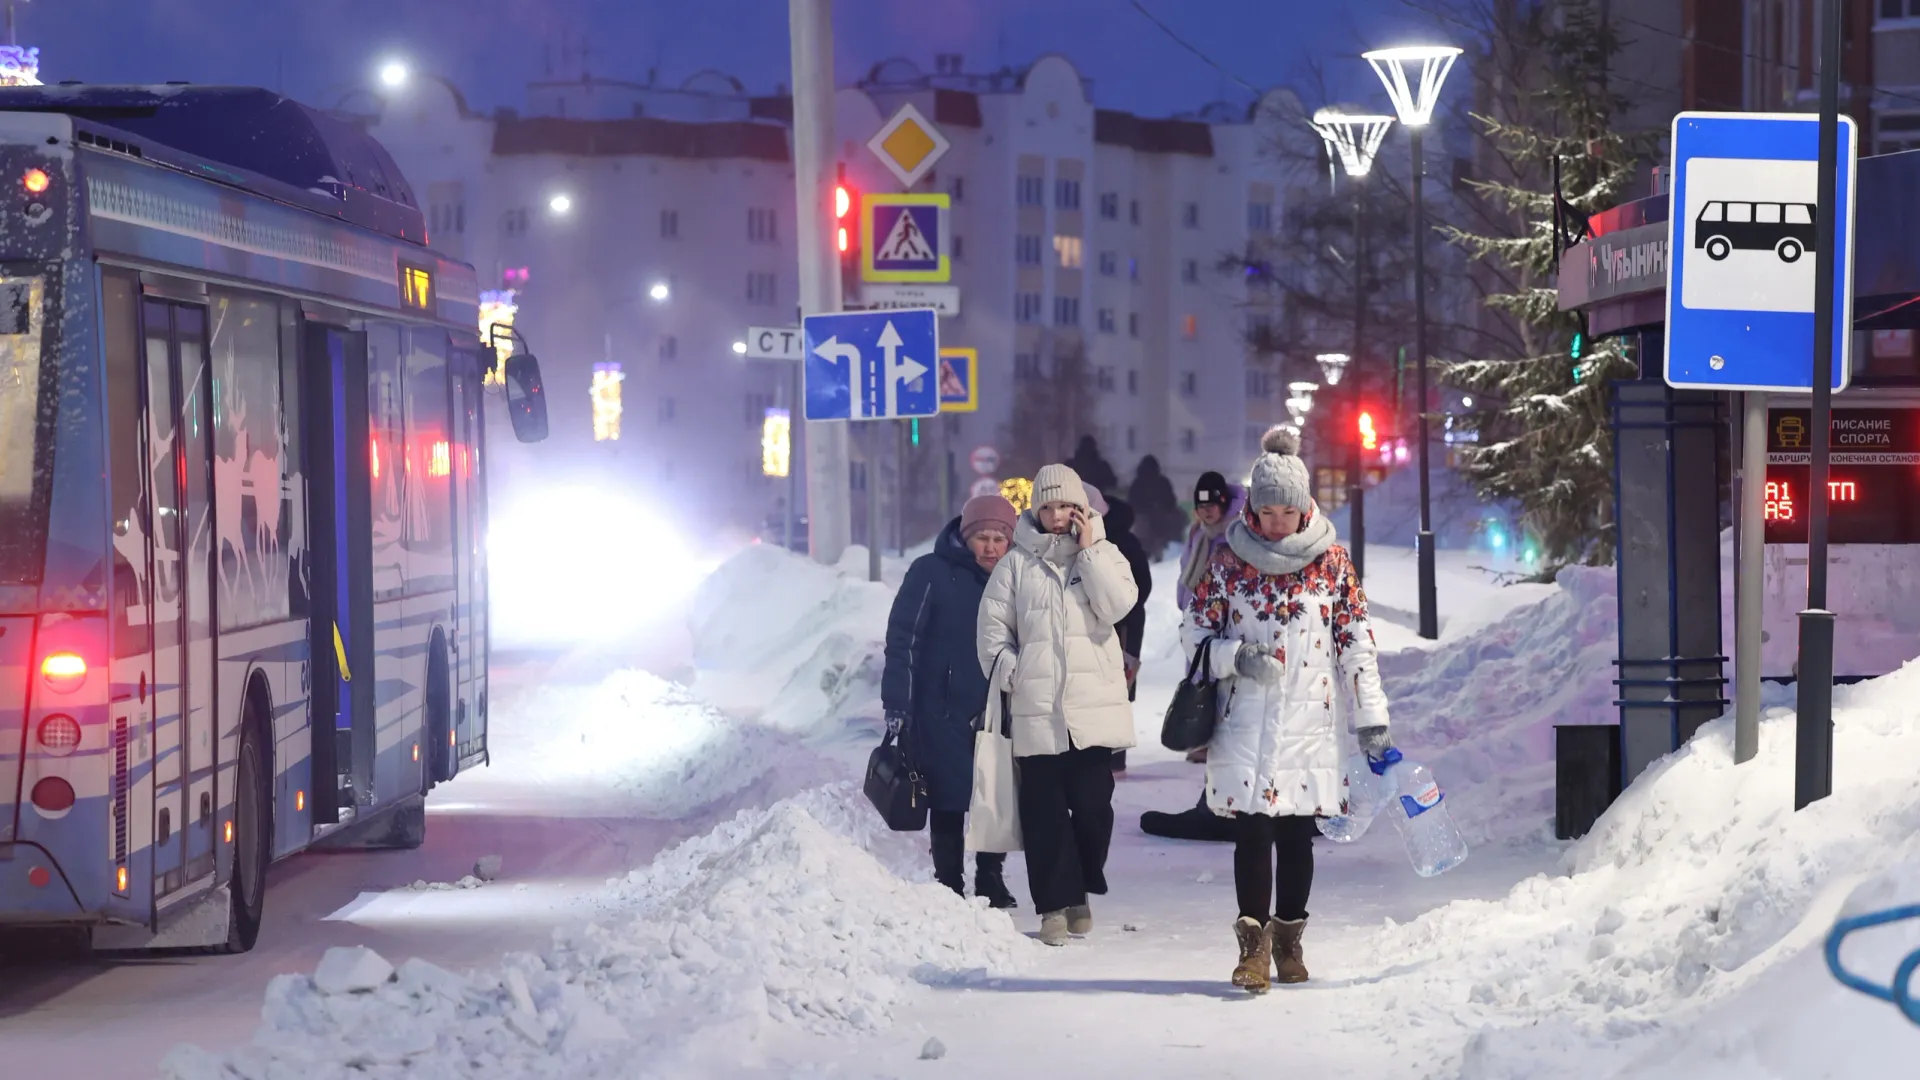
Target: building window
{"type": "Point", "coordinates": [1103, 379]}
{"type": "Point", "coordinates": [1259, 385]}
{"type": "Point", "coordinates": [1189, 327]}
{"type": "Point", "coordinates": [957, 189]}
{"type": "Point", "coordinates": [1899, 131]}
{"type": "Point", "coordinates": [1026, 307]}
{"type": "Point", "coordinates": [1132, 436]}
{"type": "Point", "coordinates": [1109, 264]}
{"type": "Point", "coordinates": [1260, 217]}
{"type": "Point", "coordinates": [1068, 250]}
{"type": "Point", "coordinates": [514, 222]}
{"type": "Point", "coordinates": [1106, 321]}
{"type": "Point", "coordinates": [669, 348]}
{"type": "Point", "coordinates": [956, 249]}
{"type": "Point", "coordinates": [1032, 191]}
{"type": "Point", "coordinates": [1026, 366]}
{"type": "Point", "coordinates": [1066, 194]}
{"type": "Point", "coordinates": [669, 224]}
{"type": "Point", "coordinates": [1133, 324]}
{"type": "Point", "coordinates": [1133, 211]}
{"type": "Point", "coordinates": [760, 226]}
{"type": "Point", "coordinates": [1026, 249]}
{"type": "Point", "coordinates": [1891, 10]}
{"type": "Point", "coordinates": [666, 410]}
{"type": "Point", "coordinates": [1133, 384]}
{"type": "Point", "coordinates": [606, 402]}
{"type": "Point", "coordinates": [1189, 383]}
{"type": "Point", "coordinates": [1188, 440]}
{"type": "Point", "coordinates": [1066, 311]}
{"type": "Point", "coordinates": [763, 287]}
{"type": "Point", "coordinates": [1109, 205]}
{"type": "Point", "coordinates": [1133, 269]}
{"type": "Point", "coordinates": [1190, 215]}
{"type": "Point", "coordinates": [1190, 271]}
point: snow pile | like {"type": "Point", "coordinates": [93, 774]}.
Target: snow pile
{"type": "Point", "coordinates": [1480, 707]}
{"type": "Point", "coordinates": [772, 919]}
{"type": "Point", "coordinates": [1696, 883]}
{"type": "Point", "coordinates": [467, 882]}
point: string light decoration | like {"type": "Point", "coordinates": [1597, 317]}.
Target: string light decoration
{"type": "Point", "coordinates": [497, 308]}
{"type": "Point", "coordinates": [1019, 492]}
{"type": "Point", "coordinates": [776, 443]}
{"type": "Point", "coordinates": [607, 378]}
{"type": "Point", "coordinates": [19, 65]}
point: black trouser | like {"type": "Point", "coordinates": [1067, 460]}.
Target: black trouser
{"type": "Point", "coordinates": [1258, 880]}
{"type": "Point", "coordinates": [949, 828]}
{"type": "Point", "coordinates": [1066, 825]}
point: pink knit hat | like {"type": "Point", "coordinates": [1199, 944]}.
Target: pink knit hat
{"type": "Point", "coordinates": [987, 512]}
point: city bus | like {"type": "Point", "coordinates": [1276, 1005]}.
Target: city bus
{"type": "Point", "coordinates": [243, 506]}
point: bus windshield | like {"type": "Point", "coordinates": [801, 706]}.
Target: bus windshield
{"type": "Point", "coordinates": [24, 434]}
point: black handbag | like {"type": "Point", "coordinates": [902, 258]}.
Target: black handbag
{"type": "Point", "coordinates": [895, 787]}
{"type": "Point", "coordinates": [1195, 708]}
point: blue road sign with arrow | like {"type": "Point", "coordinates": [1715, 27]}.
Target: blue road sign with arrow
{"type": "Point", "coordinates": [1740, 251]}
{"type": "Point", "coordinates": [872, 365]}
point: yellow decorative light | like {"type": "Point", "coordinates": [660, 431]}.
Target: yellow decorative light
{"type": "Point", "coordinates": [606, 402]}
{"type": "Point", "coordinates": [19, 66]}
{"type": "Point", "coordinates": [497, 308]}
{"type": "Point", "coordinates": [776, 443]}
{"type": "Point", "coordinates": [1019, 492]}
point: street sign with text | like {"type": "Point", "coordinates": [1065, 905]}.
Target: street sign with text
{"type": "Point", "coordinates": [773, 343]}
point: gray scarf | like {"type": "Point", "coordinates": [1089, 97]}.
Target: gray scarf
{"type": "Point", "coordinates": [1287, 555]}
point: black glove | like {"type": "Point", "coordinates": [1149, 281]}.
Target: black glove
{"type": "Point", "coordinates": [1375, 741]}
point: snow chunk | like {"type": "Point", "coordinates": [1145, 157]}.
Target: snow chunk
{"type": "Point", "coordinates": [933, 1051]}
{"type": "Point", "coordinates": [488, 868]}
{"type": "Point", "coordinates": [351, 969]}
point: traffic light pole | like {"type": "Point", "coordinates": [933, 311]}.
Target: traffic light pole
{"type": "Point", "coordinates": [1429, 590]}
{"type": "Point", "coordinates": [1813, 677]}
{"type": "Point", "coordinates": [1356, 465]}
{"type": "Point", "coordinates": [810, 24]}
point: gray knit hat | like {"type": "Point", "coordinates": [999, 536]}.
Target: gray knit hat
{"type": "Point", "coordinates": [1279, 476]}
{"type": "Point", "coordinates": [1059, 483]}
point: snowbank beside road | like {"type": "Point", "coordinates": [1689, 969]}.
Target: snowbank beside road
{"type": "Point", "coordinates": [775, 918]}
{"type": "Point", "coordinates": [1696, 885]}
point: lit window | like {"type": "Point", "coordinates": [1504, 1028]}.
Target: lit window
{"type": "Point", "coordinates": [497, 308]}
{"type": "Point", "coordinates": [605, 392]}
{"type": "Point", "coordinates": [1189, 327]}
{"type": "Point", "coordinates": [1068, 248]}
{"type": "Point", "coordinates": [416, 287]}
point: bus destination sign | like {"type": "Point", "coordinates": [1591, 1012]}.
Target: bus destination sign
{"type": "Point", "coordinates": [1873, 482]}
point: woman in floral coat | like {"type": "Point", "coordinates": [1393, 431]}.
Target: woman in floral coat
{"type": "Point", "coordinates": [1284, 621]}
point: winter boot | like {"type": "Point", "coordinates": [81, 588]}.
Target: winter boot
{"type": "Point", "coordinates": [990, 883]}
{"type": "Point", "coordinates": [1256, 956]}
{"type": "Point", "coordinates": [1080, 920]}
{"type": "Point", "coordinates": [1053, 928]}
{"type": "Point", "coordinates": [1288, 964]}
{"type": "Point", "coordinates": [950, 859]}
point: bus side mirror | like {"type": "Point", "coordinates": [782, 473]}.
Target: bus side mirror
{"type": "Point", "coordinates": [526, 398]}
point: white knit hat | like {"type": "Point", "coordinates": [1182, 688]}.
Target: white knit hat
{"type": "Point", "coordinates": [1279, 476]}
{"type": "Point", "coordinates": [1058, 483]}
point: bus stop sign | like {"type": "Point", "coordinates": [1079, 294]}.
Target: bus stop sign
{"type": "Point", "coordinates": [1740, 251]}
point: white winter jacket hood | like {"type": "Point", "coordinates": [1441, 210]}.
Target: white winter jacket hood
{"type": "Point", "coordinates": [1053, 606]}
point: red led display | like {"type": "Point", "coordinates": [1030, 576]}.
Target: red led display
{"type": "Point", "coordinates": [1873, 486]}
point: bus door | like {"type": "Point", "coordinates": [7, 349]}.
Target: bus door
{"type": "Point", "coordinates": [470, 658]}
{"type": "Point", "coordinates": [180, 437]}
{"type": "Point", "coordinates": [340, 535]}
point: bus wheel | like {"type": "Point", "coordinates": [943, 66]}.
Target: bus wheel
{"type": "Point", "coordinates": [442, 762]}
{"type": "Point", "coordinates": [1718, 247]}
{"type": "Point", "coordinates": [252, 839]}
{"type": "Point", "coordinates": [1789, 250]}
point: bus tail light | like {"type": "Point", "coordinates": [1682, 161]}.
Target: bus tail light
{"type": "Point", "coordinates": [300, 800]}
{"type": "Point", "coordinates": [60, 734]}
{"type": "Point", "coordinates": [35, 181]}
{"type": "Point", "coordinates": [450, 737]}
{"type": "Point", "coordinates": [39, 877]}
{"type": "Point", "coordinates": [53, 795]}
{"type": "Point", "coordinates": [416, 751]}
{"type": "Point", "coordinates": [64, 671]}
{"type": "Point", "coordinates": [229, 831]}
{"type": "Point", "coordinates": [120, 879]}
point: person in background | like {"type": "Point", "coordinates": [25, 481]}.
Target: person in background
{"type": "Point", "coordinates": [1281, 613]}
{"type": "Point", "coordinates": [932, 688]}
{"type": "Point", "coordinates": [1119, 517]}
{"type": "Point", "coordinates": [1047, 638]}
{"type": "Point", "coordinates": [1151, 494]}
{"type": "Point", "coordinates": [1216, 505]}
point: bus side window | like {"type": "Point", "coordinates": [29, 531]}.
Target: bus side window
{"type": "Point", "coordinates": [132, 606]}
{"type": "Point", "coordinates": [1767, 213]}
{"type": "Point", "coordinates": [1799, 214]}
{"type": "Point", "coordinates": [1740, 213]}
{"type": "Point", "coordinates": [1713, 212]}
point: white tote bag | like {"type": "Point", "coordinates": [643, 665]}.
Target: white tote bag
{"type": "Point", "coordinates": [993, 818]}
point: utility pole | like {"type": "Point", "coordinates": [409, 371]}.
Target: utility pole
{"type": "Point", "coordinates": [810, 23]}
{"type": "Point", "coordinates": [1356, 460]}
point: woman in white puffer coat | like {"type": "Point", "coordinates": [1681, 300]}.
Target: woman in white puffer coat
{"type": "Point", "coordinates": [1047, 639]}
{"type": "Point", "coordinates": [1284, 620]}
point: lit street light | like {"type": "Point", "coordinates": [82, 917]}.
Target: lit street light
{"type": "Point", "coordinates": [393, 74]}
{"type": "Point", "coordinates": [660, 292]}
{"type": "Point", "coordinates": [1414, 99]}
{"type": "Point", "coordinates": [740, 348]}
{"type": "Point", "coordinates": [560, 204]}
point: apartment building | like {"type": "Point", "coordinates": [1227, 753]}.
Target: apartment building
{"type": "Point", "coordinates": [644, 228]}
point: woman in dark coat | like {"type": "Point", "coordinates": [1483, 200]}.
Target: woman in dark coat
{"type": "Point", "coordinates": [933, 688]}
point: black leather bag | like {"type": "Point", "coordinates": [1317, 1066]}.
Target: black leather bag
{"type": "Point", "coordinates": [895, 787]}
{"type": "Point", "coordinates": [1195, 708]}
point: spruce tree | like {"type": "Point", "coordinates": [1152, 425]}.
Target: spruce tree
{"type": "Point", "coordinates": [1541, 413]}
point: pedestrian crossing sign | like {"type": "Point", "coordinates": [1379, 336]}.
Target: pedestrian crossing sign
{"type": "Point", "coordinates": [904, 238]}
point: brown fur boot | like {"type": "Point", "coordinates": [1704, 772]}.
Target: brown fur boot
{"type": "Point", "coordinates": [1289, 966]}
{"type": "Point", "coordinates": [1256, 956]}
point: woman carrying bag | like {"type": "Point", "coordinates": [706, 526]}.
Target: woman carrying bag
{"type": "Point", "coordinates": [1047, 637]}
{"type": "Point", "coordinates": [932, 687]}
{"type": "Point", "coordinates": [1284, 622]}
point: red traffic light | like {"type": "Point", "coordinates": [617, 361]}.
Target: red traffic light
{"type": "Point", "coordinates": [1369, 438]}
{"type": "Point", "coordinates": [845, 202]}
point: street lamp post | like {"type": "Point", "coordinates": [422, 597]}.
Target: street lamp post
{"type": "Point", "coordinates": [1355, 141]}
{"type": "Point", "coordinates": [1414, 97]}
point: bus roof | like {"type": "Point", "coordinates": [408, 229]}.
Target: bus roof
{"type": "Point", "coordinates": [308, 158]}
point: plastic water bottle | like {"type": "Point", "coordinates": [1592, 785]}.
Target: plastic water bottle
{"type": "Point", "coordinates": [1367, 794]}
{"type": "Point", "coordinates": [1433, 841]}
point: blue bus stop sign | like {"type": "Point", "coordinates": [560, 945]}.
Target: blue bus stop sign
{"type": "Point", "coordinates": [871, 365]}
{"type": "Point", "coordinates": [1740, 251]}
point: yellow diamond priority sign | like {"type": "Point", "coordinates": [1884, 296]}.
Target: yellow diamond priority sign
{"type": "Point", "coordinates": [908, 145]}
